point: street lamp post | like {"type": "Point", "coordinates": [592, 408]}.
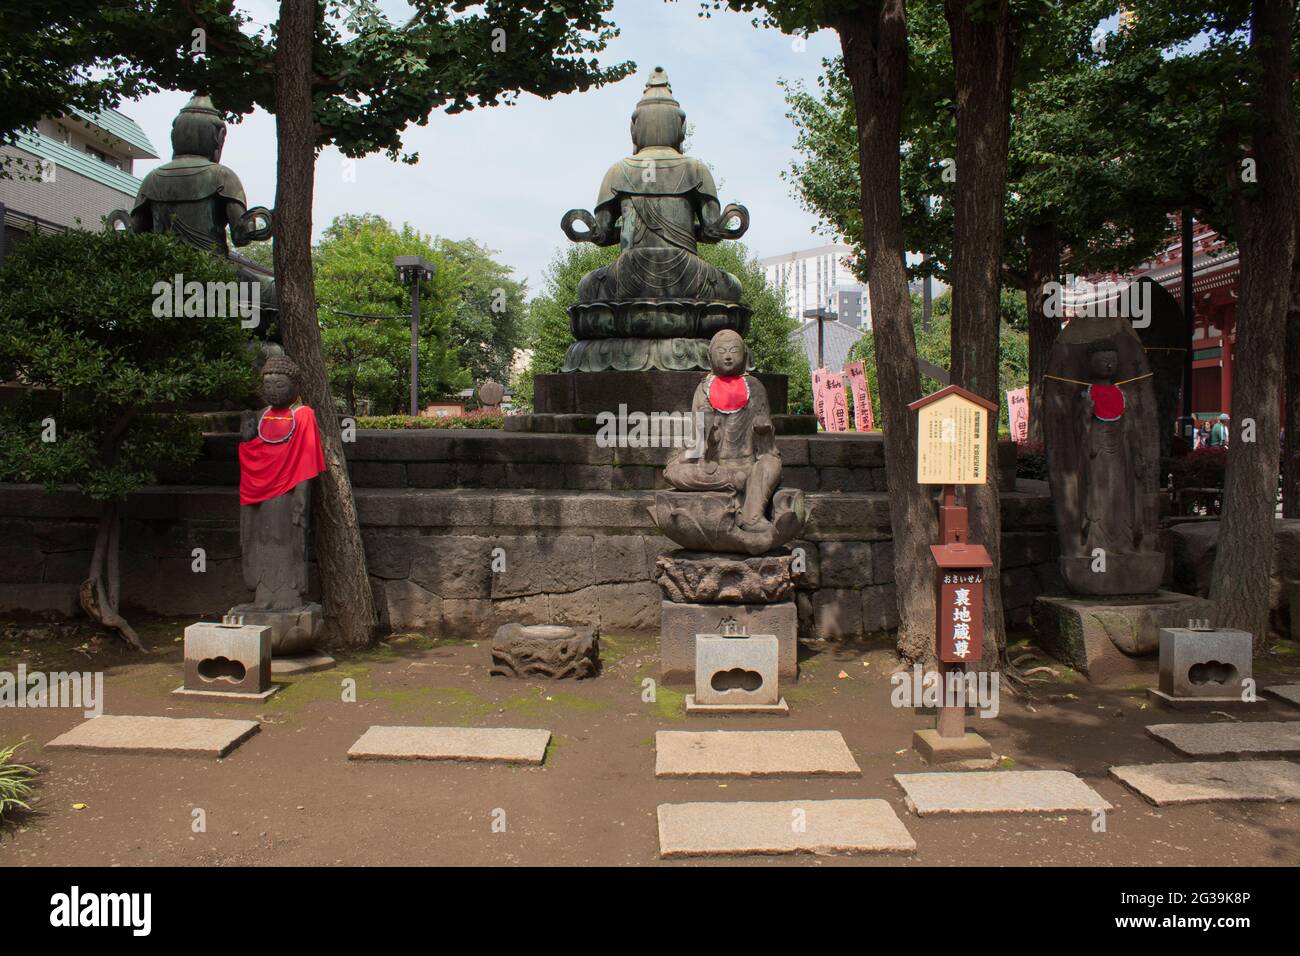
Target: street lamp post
{"type": "Point", "coordinates": [411, 271]}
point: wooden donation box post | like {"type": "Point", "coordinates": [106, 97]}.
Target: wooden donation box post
{"type": "Point", "coordinates": [952, 449]}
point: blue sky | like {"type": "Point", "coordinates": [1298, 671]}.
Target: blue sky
{"type": "Point", "coordinates": [505, 176]}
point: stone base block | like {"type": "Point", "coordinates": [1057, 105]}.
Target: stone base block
{"type": "Point", "coordinates": [302, 664]}
{"type": "Point", "coordinates": [780, 708]}
{"type": "Point", "coordinates": [1212, 664]}
{"type": "Point", "coordinates": [1157, 696]}
{"type": "Point", "coordinates": [228, 659]}
{"type": "Point", "coordinates": [226, 694]}
{"type": "Point", "coordinates": [1139, 573]}
{"type": "Point", "coordinates": [971, 751]}
{"type": "Point", "coordinates": [736, 670]}
{"type": "Point", "coordinates": [680, 623]}
{"type": "Point", "coordinates": [294, 631]}
{"type": "Point", "coordinates": [1111, 639]}
{"type": "Point", "coordinates": [653, 390]}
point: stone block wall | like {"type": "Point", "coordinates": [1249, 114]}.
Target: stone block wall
{"type": "Point", "coordinates": [569, 556]}
{"type": "Point", "coordinates": [470, 458]}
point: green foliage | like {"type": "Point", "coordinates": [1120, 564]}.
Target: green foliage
{"type": "Point", "coordinates": [15, 781]}
{"type": "Point", "coordinates": [479, 418]}
{"type": "Point", "coordinates": [935, 346]}
{"type": "Point", "coordinates": [548, 333]}
{"type": "Point", "coordinates": [77, 319]}
{"type": "Point", "coordinates": [370, 357]}
{"type": "Point", "coordinates": [487, 325]}
{"type": "Point", "coordinates": [1072, 164]}
{"type": "Point", "coordinates": [373, 77]}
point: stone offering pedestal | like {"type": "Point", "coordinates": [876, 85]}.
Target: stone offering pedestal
{"type": "Point", "coordinates": [1112, 639]}
{"type": "Point", "coordinates": [736, 675]}
{"type": "Point", "coordinates": [227, 661]}
{"type": "Point", "coordinates": [1204, 670]}
{"type": "Point", "coordinates": [545, 650]}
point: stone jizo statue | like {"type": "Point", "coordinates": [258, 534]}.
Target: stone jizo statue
{"type": "Point", "coordinates": [727, 495]}
{"type": "Point", "coordinates": [658, 303]}
{"type": "Point", "coordinates": [279, 456]}
{"type": "Point", "coordinates": [1101, 435]}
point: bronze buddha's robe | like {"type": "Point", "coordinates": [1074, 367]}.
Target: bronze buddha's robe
{"type": "Point", "coordinates": [191, 197]}
{"type": "Point", "coordinates": [657, 197]}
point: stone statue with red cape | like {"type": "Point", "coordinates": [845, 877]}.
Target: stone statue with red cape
{"type": "Point", "coordinates": [280, 455]}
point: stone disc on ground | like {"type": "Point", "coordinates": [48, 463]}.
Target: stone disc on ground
{"type": "Point", "coordinates": [1274, 738]}
{"type": "Point", "coordinates": [191, 736]}
{"type": "Point", "coordinates": [1287, 692]}
{"type": "Point", "coordinates": [1166, 784]}
{"type": "Point", "coordinates": [790, 826]}
{"type": "Point", "coordinates": [479, 744]}
{"type": "Point", "coordinates": [999, 791]}
{"type": "Point", "coordinates": [753, 753]}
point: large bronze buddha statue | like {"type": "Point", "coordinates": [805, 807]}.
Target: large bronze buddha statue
{"type": "Point", "coordinates": [658, 304]}
{"type": "Point", "coordinates": [197, 199]}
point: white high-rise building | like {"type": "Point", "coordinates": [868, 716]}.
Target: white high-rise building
{"type": "Point", "coordinates": [820, 278]}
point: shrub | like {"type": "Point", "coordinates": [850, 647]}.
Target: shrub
{"type": "Point", "coordinates": [1031, 461]}
{"type": "Point", "coordinates": [1202, 468]}
{"type": "Point", "coordinates": [479, 418]}
{"type": "Point", "coordinates": [15, 781]}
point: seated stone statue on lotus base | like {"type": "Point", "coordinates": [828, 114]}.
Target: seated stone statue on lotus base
{"type": "Point", "coordinates": [734, 574]}
{"type": "Point", "coordinates": [727, 497]}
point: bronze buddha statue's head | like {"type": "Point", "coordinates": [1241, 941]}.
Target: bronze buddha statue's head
{"type": "Point", "coordinates": [658, 119]}
{"type": "Point", "coordinates": [199, 130]}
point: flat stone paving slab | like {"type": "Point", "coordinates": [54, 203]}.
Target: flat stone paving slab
{"type": "Point", "coordinates": [1287, 692]}
{"type": "Point", "coordinates": [1276, 738]}
{"type": "Point", "coordinates": [999, 791]}
{"type": "Point", "coordinates": [791, 826]}
{"type": "Point", "coordinates": [753, 753]}
{"type": "Point", "coordinates": [1166, 784]}
{"type": "Point", "coordinates": [480, 744]}
{"type": "Point", "coordinates": [191, 736]}
{"type": "Point", "coordinates": [302, 664]}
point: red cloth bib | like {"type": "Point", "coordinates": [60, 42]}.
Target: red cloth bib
{"type": "Point", "coordinates": [266, 469]}
{"type": "Point", "coordinates": [728, 394]}
{"type": "Point", "coordinates": [1107, 402]}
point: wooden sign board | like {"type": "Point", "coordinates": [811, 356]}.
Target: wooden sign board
{"type": "Point", "coordinates": [952, 438]}
{"type": "Point", "coordinates": [959, 601]}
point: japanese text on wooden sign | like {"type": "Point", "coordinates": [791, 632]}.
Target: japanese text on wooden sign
{"type": "Point", "coordinates": [952, 442]}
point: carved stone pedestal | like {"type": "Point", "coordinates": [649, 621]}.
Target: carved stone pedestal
{"type": "Point", "coordinates": [545, 650]}
{"type": "Point", "coordinates": [293, 632]}
{"type": "Point", "coordinates": [1206, 670]}
{"type": "Point", "coordinates": [1111, 639]}
{"type": "Point", "coordinates": [227, 662]}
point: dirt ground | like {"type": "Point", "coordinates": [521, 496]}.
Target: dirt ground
{"type": "Point", "coordinates": [289, 796]}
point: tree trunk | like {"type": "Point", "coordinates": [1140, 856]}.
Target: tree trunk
{"type": "Point", "coordinates": [1291, 423]}
{"type": "Point", "coordinates": [345, 585]}
{"type": "Point", "coordinates": [1266, 226]}
{"type": "Point", "coordinates": [101, 592]}
{"type": "Point", "coordinates": [1044, 261]}
{"type": "Point", "coordinates": [875, 61]}
{"type": "Point", "coordinates": [981, 54]}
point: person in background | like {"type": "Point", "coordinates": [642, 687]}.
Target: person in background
{"type": "Point", "coordinates": [1219, 433]}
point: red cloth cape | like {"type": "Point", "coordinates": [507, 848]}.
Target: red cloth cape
{"type": "Point", "coordinates": [1107, 402]}
{"type": "Point", "coordinates": [267, 470]}
{"type": "Point", "coordinates": [728, 394]}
